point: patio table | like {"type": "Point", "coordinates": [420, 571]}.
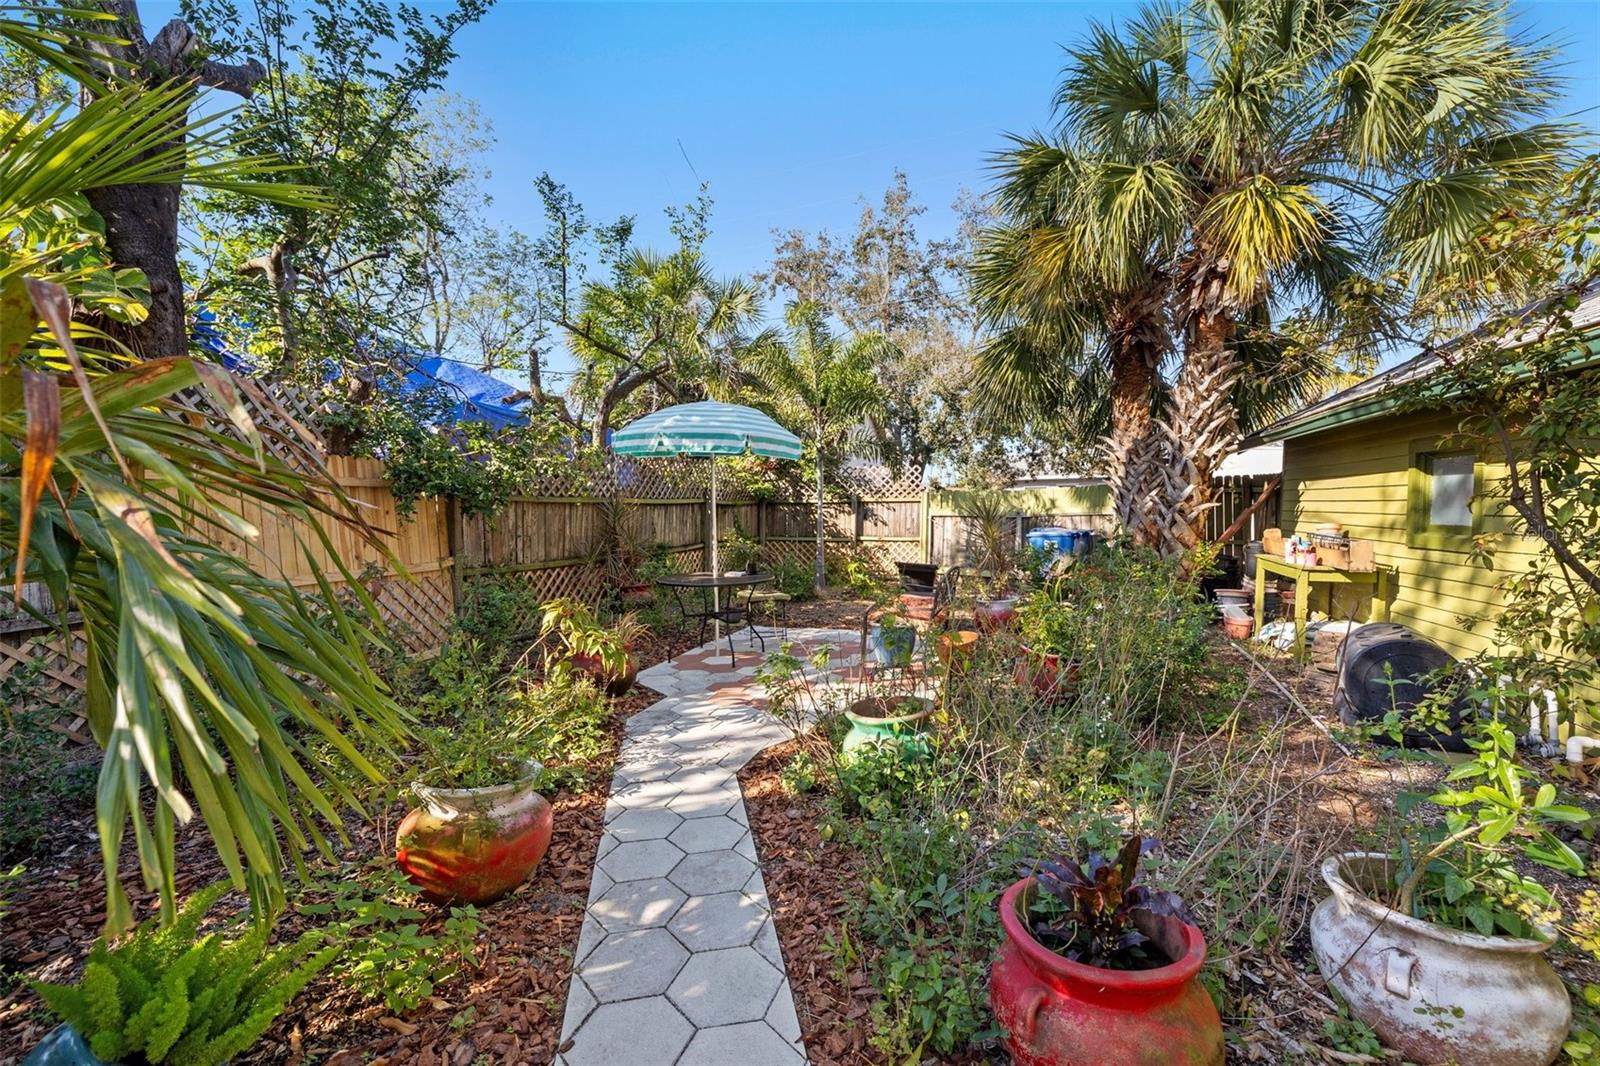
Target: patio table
{"type": "Point", "coordinates": [1306, 576]}
{"type": "Point", "coordinates": [730, 614]}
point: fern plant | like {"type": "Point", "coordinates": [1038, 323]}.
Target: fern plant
{"type": "Point", "coordinates": [169, 996]}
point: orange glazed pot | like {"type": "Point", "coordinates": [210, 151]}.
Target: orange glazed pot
{"type": "Point", "coordinates": [1062, 1013]}
{"type": "Point", "coordinates": [473, 845]}
{"type": "Point", "coordinates": [956, 649]}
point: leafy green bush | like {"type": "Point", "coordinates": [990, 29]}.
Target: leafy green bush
{"type": "Point", "coordinates": [382, 951]}
{"type": "Point", "coordinates": [792, 576]}
{"type": "Point", "coordinates": [172, 996]}
{"type": "Point", "coordinates": [481, 722]}
{"type": "Point", "coordinates": [493, 611]}
{"type": "Point", "coordinates": [1133, 624]}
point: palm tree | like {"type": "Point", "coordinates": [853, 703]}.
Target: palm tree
{"type": "Point", "coordinates": [1263, 157]}
{"type": "Point", "coordinates": [822, 387]}
{"type": "Point", "coordinates": [226, 691]}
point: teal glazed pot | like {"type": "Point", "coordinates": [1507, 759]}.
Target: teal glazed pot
{"type": "Point", "coordinates": [877, 721]}
{"type": "Point", "coordinates": [891, 647]}
{"type": "Point", "coordinates": [63, 1047]}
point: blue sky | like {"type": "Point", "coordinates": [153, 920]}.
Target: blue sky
{"type": "Point", "coordinates": [791, 111]}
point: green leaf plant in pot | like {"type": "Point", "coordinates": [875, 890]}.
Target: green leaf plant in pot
{"type": "Point", "coordinates": [1440, 945]}
{"type": "Point", "coordinates": [1052, 638]}
{"type": "Point", "coordinates": [1098, 967]}
{"type": "Point", "coordinates": [584, 643]}
{"type": "Point", "coordinates": [480, 826]}
{"type": "Point", "coordinates": [173, 997]}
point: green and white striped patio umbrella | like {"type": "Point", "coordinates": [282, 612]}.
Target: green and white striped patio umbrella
{"type": "Point", "coordinates": [709, 429]}
{"type": "Point", "coordinates": [706, 428]}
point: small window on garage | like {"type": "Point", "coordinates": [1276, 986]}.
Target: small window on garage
{"type": "Point", "coordinates": [1444, 499]}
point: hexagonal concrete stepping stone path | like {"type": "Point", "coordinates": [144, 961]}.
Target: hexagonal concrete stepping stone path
{"type": "Point", "coordinates": [678, 961]}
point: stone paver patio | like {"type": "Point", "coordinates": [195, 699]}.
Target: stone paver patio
{"type": "Point", "coordinates": [678, 961]}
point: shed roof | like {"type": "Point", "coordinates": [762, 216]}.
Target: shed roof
{"type": "Point", "coordinates": [1381, 393]}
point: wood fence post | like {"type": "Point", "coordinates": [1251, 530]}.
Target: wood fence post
{"type": "Point", "coordinates": [454, 535]}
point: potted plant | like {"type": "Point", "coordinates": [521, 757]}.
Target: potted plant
{"type": "Point", "coordinates": [899, 720]}
{"type": "Point", "coordinates": [1440, 946]}
{"type": "Point", "coordinates": [618, 551]}
{"type": "Point", "coordinates": [169, 995]}
{"type": "Point", "coordinates": [587, 645]}
{"type": "Point", "coordinates": [480, 826]}
{"type": "Point", "coordinates": [1051, 645]}
{"type": "Point", "coordinates": [1098, 969]}
{"type": "Point", "coordinates": [990, 515]}
{"type": "Point", "coordinates": [890, 637]}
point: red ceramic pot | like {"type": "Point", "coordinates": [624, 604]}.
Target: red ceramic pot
{"type": "Point", "coordinates": [1046, 674]}
{"type": "Point", "coordinates": [995, 614]}
{"type": "Point", "coordinates": [473, 845]}
{"type": "Point", "coordinates": [1062, 1013]}
{"type": "Point", "coordinates": [615, 685]}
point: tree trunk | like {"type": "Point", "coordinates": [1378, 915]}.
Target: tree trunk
{"type": "Point", "coordinates": [820, 577]}
{"type": "Point", "coordinates": [1138, 336]}
{"type": "Point", "coordinates": [142, 231]}
{"type": "Point", "coordinates": [142, 220]}
{"type": "Point", "coordinates": [1201, 431]}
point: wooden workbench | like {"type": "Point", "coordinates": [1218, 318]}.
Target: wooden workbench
{"type": "Point", "coordinates": [1306, 576]}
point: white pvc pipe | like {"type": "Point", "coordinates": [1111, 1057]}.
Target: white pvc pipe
{"type": "Point", "coordinates": [1577, 744]}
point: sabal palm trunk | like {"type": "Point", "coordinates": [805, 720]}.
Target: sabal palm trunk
{"type": "Point", "coordinates": [1138, 335]}
{"type": "Point", "coordinates": [1201, 430]}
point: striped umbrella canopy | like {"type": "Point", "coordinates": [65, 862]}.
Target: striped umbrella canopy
{"type": "Point", "coordinates": [706, 428]}
{"type": "Point", "coordinates": [709, 429]}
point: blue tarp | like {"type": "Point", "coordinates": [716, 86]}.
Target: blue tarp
{"type": "Point", "coordinates": [476, 396]}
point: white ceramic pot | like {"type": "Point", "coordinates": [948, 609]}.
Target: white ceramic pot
{"type": "Point", "coordinates": [1431, 993]}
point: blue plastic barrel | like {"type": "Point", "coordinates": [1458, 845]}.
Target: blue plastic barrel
{"type": "Point", "coordinates": [1052, 540]}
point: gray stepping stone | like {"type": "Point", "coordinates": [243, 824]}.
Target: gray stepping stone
{"type": "Point", "coordinates": [641, 962]}
{"type": "Point", "coordinates": [580, 1001]}
{"type": "Point", "coordinates": [707, 803]}
{"type": "Point", "coordinates": [708, 872]}
{"type": "Point", "coordinates": [643, 794]}
{"type": "Point", "coordinates": [641, 1032]}
{"type": "Point", "coordinates": [638, 904]}
{"type": "Point", "coordinates": [766, 942]}
{"type": "Point", "coordinates": [639, 859]}
{"type": "Point", "coordinates": [744, 1044]}
{"type": "Point", "coordinates": [707, 834]}
{"type": "Point", "coordinates": [782, 1017]}
{"type": "Point", "coordinates": [643, 824]}
{"type": "Point", "coordinates": [725, 987]}
{"type": "Point", "coordinates": [725, 920]}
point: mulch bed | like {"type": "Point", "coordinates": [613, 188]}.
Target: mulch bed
{"type": "Point", "coordinates": [508, 1010]}
{"type": "Point", "coordinates": [808, 883]}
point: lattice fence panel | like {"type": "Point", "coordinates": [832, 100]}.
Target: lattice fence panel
{"type": "Point", "coordinates": [51, 668]}
{"type": "Point", "coordinates": [418, 610]}
{"type": "Point", "coordinates": [837, 554]}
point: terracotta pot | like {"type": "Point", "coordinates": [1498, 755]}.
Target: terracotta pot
{"type": "Point", "coordinates": [1431, 993]}
{"type": "Point", "coordinates": [955, 650]}
{"type": "Point", "coordinates": [637, 594]}
{"type": "Point", "coordinates": [1046, 674]}
{"type": "Point", "coordinates": [1238, 628]}
{"type": "Point", "coordinates": [1062, 1013]}
{"type": "Point", "coordinates": [992, 615]}
{"type": "Point", "coordinates": [473, 845]}
{"type": "Point", "coordinates": [870, 724]}
{"type": "Point", "coordinates": [615, 685]}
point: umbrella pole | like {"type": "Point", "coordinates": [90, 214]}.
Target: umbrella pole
{"type": "Point", "coordinates": [716, 565]}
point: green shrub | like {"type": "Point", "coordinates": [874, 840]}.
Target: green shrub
{"type": "Point", "coordinates": [382, 952]}
{"type": "Point", "coordinates": [792, 576]}
{"type": "Point", "coordinates": [493, 611]}
{"type": "Point", "coordinates": [172, 996]}
{"type": "Point", "coordinates": [1133, 624]}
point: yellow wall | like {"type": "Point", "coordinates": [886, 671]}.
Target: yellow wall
{"type": "Point", "coordinates": [1357, 476]}
{"type": "Point", "coordinates": [1057, 500]}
